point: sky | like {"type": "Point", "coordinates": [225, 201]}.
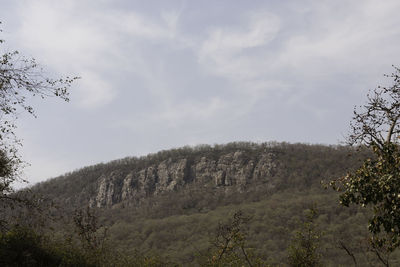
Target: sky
{"type": "Point", "coordinates": [164, 74]}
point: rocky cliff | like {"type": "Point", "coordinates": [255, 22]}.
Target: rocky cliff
{"type": "Point", "coordinates": [234, 169]}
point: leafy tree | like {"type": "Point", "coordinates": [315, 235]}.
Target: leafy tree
{"type": "Point", "coordinates": [20, 79]}
{"type": "Point", "coordinates": [24, 247]}
{"type": "Point", "coordinates": [377, 182]}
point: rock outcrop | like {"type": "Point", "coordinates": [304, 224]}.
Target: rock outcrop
{"type": "Point", "coordinates": [235, 169]}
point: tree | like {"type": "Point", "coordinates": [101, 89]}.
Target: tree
{"type": "Point", "coordinates": [20, 79]}
{"type": "Point", "coordinates": [230, 245]}
{"type": "Point", "coordinates": [303, 250]}
{"type": "Point", "coordinates": [376, 183]}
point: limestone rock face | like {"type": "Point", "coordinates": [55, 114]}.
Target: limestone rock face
{"type": "Point", "coordinates": [171, 175]}
{"type": "Point", "coordinates": [128, 188]}
{"type": "Point", "coordinates": [204, 170]}
{"type": "Point", "coordinates": [266, 166]}
{"type": "Point", "coordinates": [140, 184]}
{"type": "Point", "coordinates": [233, 169]}
{"type": "Point", "coordinates": [148, 180]}
{"type": "Point", "coordinates": [228, 170]}
{"type": "Point", "coordinates": [108, 190]}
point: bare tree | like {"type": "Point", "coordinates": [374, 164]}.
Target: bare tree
{"type": "Point", "coordinates": [377, 122]}
{"type": "Point", "coordinates": [20, 79]}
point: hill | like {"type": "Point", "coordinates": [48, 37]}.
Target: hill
{"type": "Point", "coordinates": [170, 203]}
{"type": "Point", "coordinates": [235, 167]}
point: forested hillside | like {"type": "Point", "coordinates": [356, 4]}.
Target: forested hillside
{"type": "Point", "coordinates": [169, 204]}
{"type": "Point", "coordinates": [235, 167]}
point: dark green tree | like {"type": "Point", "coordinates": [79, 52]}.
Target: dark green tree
{"type": "Point", "coordinates": [376, 184]}
{"type": "Point", "coordinates": [24, 247]}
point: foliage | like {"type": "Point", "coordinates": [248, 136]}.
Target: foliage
{"type": "Point", "coordinates": [20, 79]}
{"type": "Point", "coordinates": [376, 183]}
{"type": "Point", "coordinates": [176, 225]}
{"type": "Point", "coordinates": [91, 237]}
{"type": "Point", "coordinates": [23, 247]}
{"type": "Point", "coordinates": [87, 228]}
{"type": "Point", "coordinates": [7, 169]}
{"type": "Point", "coordinates": [302, 166]}
{"type": "Point", "coordinates": [26, 246]}
{"type": "Point", "coordinates": [230, 246]}
{"type": "Point", "coordinates": [268, 233]}
{"type": "Point", "coordinates": [303, 250]}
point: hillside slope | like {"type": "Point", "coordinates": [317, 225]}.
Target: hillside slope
{"type": "Point", "coordinates": [170, 203]}
{"type": "Point", "coordinates": [231, 167]}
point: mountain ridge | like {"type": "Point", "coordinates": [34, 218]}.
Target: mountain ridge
{"type": "Point", "coordinates": [234, 166]}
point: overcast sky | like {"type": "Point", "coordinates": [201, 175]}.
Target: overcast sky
{"type": "Point", "coordinates": [164, 74]}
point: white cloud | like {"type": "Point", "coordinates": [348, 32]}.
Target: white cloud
{"type": "Point", "coordinates": [93, 91]}
{"type": "Point", "coordinates": [198, 112]}
{"type": "Point", "coordinates": [296, 52]}
{"type": "Point", "coordinates": [135, 25]}
{"type": "Point", "coordinates": [77, 38]}
{"type": "Point", "coordinates": [350, 38]}
{"type": "Point", "coordinates": [226, 50]}
{"type": "Point", "coordinates": [91, 39]}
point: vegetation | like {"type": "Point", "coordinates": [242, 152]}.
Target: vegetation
{"type": "Point", "coordinates": [230, 245]}
{"type": "Point", "coordinates": [265, 222]}
{"type": "Point", "coordinates": [181, 226]}
{"type": "Point", "coordinates": [376, 184]}
{"type": "Point", "coordinates": [24, 246]}
{"type": "Point", "coordinates": [20, 79]}
{"type": "Point", "coordinates": [302, 166]}
{"type": "Point", "coordinates": [304, 247]}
